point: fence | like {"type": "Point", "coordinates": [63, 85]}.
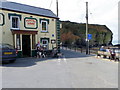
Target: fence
{"type": "Point", "coordinates": [82, 49]}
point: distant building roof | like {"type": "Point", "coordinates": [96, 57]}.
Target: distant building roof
{"type": "Point", "coordinates": [26, 9]}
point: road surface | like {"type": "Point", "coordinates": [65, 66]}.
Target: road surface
{"type": "Point", "coordinates": [73, 70]}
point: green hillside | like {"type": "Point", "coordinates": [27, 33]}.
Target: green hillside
{"type": "Point", "coordinates": [75, 33]}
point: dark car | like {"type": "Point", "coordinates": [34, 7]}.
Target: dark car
{"type": "Point", "coordinates": [7, 53]}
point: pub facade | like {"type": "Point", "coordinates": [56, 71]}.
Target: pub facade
{"type": "Point", "coordinates": [23, 26]}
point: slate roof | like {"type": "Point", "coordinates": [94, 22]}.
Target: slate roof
{"type": "Point", "coordinates": [26, 9]}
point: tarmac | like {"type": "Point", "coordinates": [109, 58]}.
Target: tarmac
{"type": "Point", "coordinates": [72, 70]}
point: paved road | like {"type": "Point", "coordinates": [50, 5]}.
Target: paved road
{"type": "Point", "coordinates": [73, 70]}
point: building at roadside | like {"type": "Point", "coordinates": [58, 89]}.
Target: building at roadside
{"type": "Point", "coordinates": [23, 26]}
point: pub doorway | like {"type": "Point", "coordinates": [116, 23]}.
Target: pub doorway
{"type": "Point", "coordinates": [26, 47]}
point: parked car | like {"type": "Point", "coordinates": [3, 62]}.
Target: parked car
{"type": "Point", "coordinates": [112, 54]}
{"type": "Point", "coordinates": [7, 53]}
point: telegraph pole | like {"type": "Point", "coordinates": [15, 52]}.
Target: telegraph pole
{"type": "Point", "coordinates": [58, 28]}
{"type": "Point", "coordinates": [87, 41]}
{"type": "Point", "coordinates": [57, 6]}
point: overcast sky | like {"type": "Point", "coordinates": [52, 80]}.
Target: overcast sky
{"type": "Point", "coordinates": [104, 12]}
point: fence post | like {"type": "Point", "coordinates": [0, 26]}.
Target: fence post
{"type": "Point", "coordinates": [76, 48]}
{"type": "Point", "coordinates": [81, 49]}
{"type": "Point", "coordinates": [89, 50]}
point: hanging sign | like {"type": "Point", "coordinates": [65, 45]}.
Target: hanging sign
{"type": "Point", "coordinates": [53, 41]}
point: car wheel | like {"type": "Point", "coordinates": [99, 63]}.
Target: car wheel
{"type": "Point", "coordinates": [12, 61]}
{"type": "Point", "coordinates": [5, 62]}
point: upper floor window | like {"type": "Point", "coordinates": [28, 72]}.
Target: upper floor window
{"type": "Point", "coordinates": [44, 26]}
{"type": "Point", "coordinates": [2, 19]}
{"type": "Point", "coordinates": [15, 22]}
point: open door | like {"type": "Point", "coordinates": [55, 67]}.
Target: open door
{"type": "Point", "coordinates": [26, 47]}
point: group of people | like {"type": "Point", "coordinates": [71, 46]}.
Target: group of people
{"type": "Point", "coordinates": [112, 52]}
{"type": "Point", "coordinates": [40, 50]}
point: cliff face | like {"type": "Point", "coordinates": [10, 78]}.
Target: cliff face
{"type": "Point", "coordinates": [75, 33]}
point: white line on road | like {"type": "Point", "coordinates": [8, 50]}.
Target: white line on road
{"type": "Point", "coordinates": [65, 60]}
{"type": "Point", "coordinates": [60, 59]}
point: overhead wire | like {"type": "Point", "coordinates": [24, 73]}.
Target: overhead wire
{"type": "Point", "coordinates": [92, 17]}
{"type": "Point", "coordinates": [50, 4]}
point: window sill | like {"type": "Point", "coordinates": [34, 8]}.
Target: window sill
{"type": "Point", "coordinates": [15, 28]}
{"type": "Point", "coordinates": [19, 50]}
{"type": "Point", "coordinates": [44, 32]}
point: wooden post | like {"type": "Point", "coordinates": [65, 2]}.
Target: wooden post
{"type": "Point", "coordinates": [87, 41]}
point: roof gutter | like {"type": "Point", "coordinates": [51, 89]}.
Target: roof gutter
{"type": "Point", "coordinates": [29, 13]}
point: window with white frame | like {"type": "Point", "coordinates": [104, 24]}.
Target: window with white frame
{"type": "Point", "coordinates": [18, 43]}
{"type": "Point", "coordinates": [45, 42]}
{"type": "Point", "coordinates": [14, 22]}
{"type": "Point", "coordinates": [44, 26]}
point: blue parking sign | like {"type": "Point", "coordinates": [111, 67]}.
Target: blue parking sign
{"type": "Point", "coordinates": [89, 36]}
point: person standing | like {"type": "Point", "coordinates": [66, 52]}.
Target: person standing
{"type": "Point", "coordinates": [113, 54]}
{"type": "Point", "coordinates": [108, 50]}
{"type": "Point", "coordinates": [38, 49]}
{"type": "Point", "coordinates": [102, 48]}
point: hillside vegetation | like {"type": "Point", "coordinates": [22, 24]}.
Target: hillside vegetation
{"type": "Point", "coordinates": [75, 33]}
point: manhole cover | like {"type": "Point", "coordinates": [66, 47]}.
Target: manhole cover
{"type": "Point", "coordinates": [89, 63]}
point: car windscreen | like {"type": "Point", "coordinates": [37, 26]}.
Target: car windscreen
{"type": "Point", "coordinates": [6, 46]}
{"type": "Point", "coordinates": [0, 46]}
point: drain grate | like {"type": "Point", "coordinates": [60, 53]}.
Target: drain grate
{"type": "Point", "coordinates": [89, 62]}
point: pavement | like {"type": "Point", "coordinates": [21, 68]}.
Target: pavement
{"type": "Point", "coordinates": [72, 70]}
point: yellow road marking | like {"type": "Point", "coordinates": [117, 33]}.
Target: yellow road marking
{"type": "Point", "coordinates": [107, 59]}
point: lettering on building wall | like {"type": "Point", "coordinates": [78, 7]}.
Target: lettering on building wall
{"type": "Point", "coordinates": [31, 23]}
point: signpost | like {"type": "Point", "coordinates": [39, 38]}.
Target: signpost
{"type": "Point", "coordinates": [87, 41]}
{"type": "Point", "coordinates": [89, 36]}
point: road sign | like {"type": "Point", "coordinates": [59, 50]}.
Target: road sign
{"type": "Point", "coordinates": [89, 36]}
